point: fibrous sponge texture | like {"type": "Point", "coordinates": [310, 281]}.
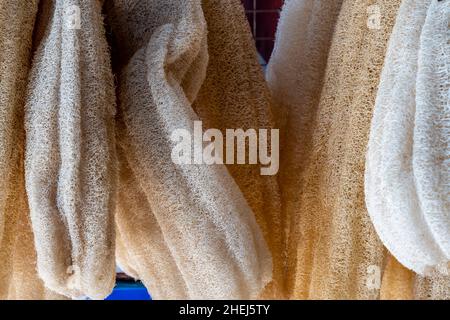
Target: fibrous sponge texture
{"type": "Point", "coordinates": [332, 245]}
{"type": "Point", "coordinates": [295, 77]}
{"type": "Point", "coordinates": [408, 159]}
{"type": "Point", "coordinates": [70, 150]}
{"type": "Point", "coordinates": [234, 95]}
{"type": "Point", "coordinates": [18, 275]}
{"type": "Point", "coordinates": [194, 217]}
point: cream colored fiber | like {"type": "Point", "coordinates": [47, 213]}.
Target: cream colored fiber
{"type": "Point", "coordinates": [18, 274]}
{"type": "Point", "coordinates": [205, 222]}
{"type": "Point", "coordinates": [235, 95]}
{"type": "Point", "coordinates": [333, 248]}
{"type": "Point", "coordinates": [70, 151]}
{"type": "Point", "coordinates": [295, 76]}
{"type": "Point", "coordinates": [408, 161]}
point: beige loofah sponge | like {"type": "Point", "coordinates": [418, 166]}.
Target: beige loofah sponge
{"type": "Point", "coordinates": [408, 168]}
{"type": "Point", "coordinates": [18, 274]}
{"type": "Point", "coordinates": [399, 283]}
{"type": "Point", "coordinates": [194, 217]}
{"type": "Point", "coordinates": [295, 76]}
{"type": "Point", "coordinates": [333, 247]}
{"type": "Point", "coordinates": [70, 150]}
{"type": "Point", "coordinates": [236, 97]}
{"type": "Point", "coordinates": [16, 24]}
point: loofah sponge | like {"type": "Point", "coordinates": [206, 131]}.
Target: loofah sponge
{"type": "Point", "coordinates": [408, 159]}
{"type": "Point", "coordinates": [195, 217]}
{"type": "Point", "coordinates": [18, 274]}
{"type": "Point", "coordinates": [70, 150]}
{"type": "Point", "coordinates": [16, 24]}
{"type": "Point", "coordinates": [399, 283]}
{"type": "Point", "coordinates": [333, 248]}
{"type": "Point", "coordinates": [295, 75]}
{"type": "Point", "coordinates": [236, 97]}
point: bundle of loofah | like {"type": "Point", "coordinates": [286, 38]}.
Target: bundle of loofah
{"type": "Point", "coordinates": [195, 220]}
{"type": "Point", "coordinates": [84, 183]}
{"type": "Point", "coordinates": [70, 150]}
{"type": "Point", "coordinates": [408, 168]}
{"type": "Point", "coordinates": [333, 248]}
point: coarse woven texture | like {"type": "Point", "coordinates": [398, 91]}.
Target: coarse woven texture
{"type": "Point", "coordinates": [295, 77]}
{"type": "Point", "coordinates": [235, 95]}
{"type": "Point", "coordinates": [408, 159]}
{"type": "Point", "coordinates": [70, 150]}
{"type": "Point", "coordinates": [18, 275]}
{"type": "Point", "coordinates": [333, 247]}
{"type": "Point", "coordinates": [195, 213]}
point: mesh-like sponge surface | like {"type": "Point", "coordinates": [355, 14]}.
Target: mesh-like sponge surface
{"type": "Point", "coordinates": [195, 217]}
{"type": "Point", "coordinates": [235, 95]}
{"type": "Point", "coordinates": [18, 274]}
{"type": "Point", "coordinates": [70, 150]}
{"type": "Point", "coordinates": [295, 77]}
{"type": "Point", "coordinates": [408, 160]}
{"type": "Point", "coordinates": [16, 24]}
{"type": "Point", "coordinates": [333, 247]}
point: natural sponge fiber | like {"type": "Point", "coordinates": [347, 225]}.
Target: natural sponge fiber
{"type": "Point", "coordinates": [399, 283]}
{"type": "Point", "coordinates": [196, 213]}
{"type": "Point", "coordinates": [408, 159]}
{"type": "Point", "coordinates": [17, 19]}
{"type": "Point", "coordinates": [236, 97]}
{"type": "Point", "coordinates": [295, 77]}
{"type": "Point", "coordinates": [70, 150]}
{"type": "Point", "coordinates": [333, 247]}
{"type": "Point", "coordinates": [18, 274]}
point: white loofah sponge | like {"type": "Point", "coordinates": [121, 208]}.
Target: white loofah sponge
{"type": "Point", "coordinates": [70, 150]}
{"type": "Point", "coordinates": [408, 160]}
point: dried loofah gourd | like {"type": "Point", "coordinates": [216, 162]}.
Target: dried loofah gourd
{"type": "Point", "coordinates": [408, 159]}
{"type": "Point", "coordinates": [295, 76]}
{"type": "Point", "coordinates": [236, 97]}
{"type": "Point", "coordinates": [194, 218]}
{"type": "Point", "coordinates": [70, 150]}
{"type": "Point", "coordinates": [18, 274]}
{"type": "Point", "coordinates": [16, 25]}
{"type": "Point", "coordinates": [333, 247]}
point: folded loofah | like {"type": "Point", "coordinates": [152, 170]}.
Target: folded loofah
{"type": "Point", "coordinates": [70, 150]}
{"type": "Point", "coordinates": [236, 97]}
{"type": "Point", "coordinates": [333, 248]}
{"type": "Point", "coordinates": [408, 159]}
{"type": "Point", "coordinates": [194, 219]}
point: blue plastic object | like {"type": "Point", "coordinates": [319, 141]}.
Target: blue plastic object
{"type": "Point", "coordinates": [129, 291]}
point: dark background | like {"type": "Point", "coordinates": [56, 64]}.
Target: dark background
{"type": "Point", "coordinates": [263, 16]}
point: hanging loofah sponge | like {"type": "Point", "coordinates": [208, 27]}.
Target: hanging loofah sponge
{"type": "Point", "coordinates": [236, 97]}
{"type": "Point", "coordinates": [333, 248]}
{"type": "Point", "coordinates": [16, 25]}
{"type": "Point", "coordinates": [70, 150]}
{"type": "Point", "coordinates": [18, 274]}
{"type": "Point", "coordinates": [408, 160]}
{"type": "Point", "coordinates": [194, 217]}
{"type": "Point", "coordinates": [295, 76]}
